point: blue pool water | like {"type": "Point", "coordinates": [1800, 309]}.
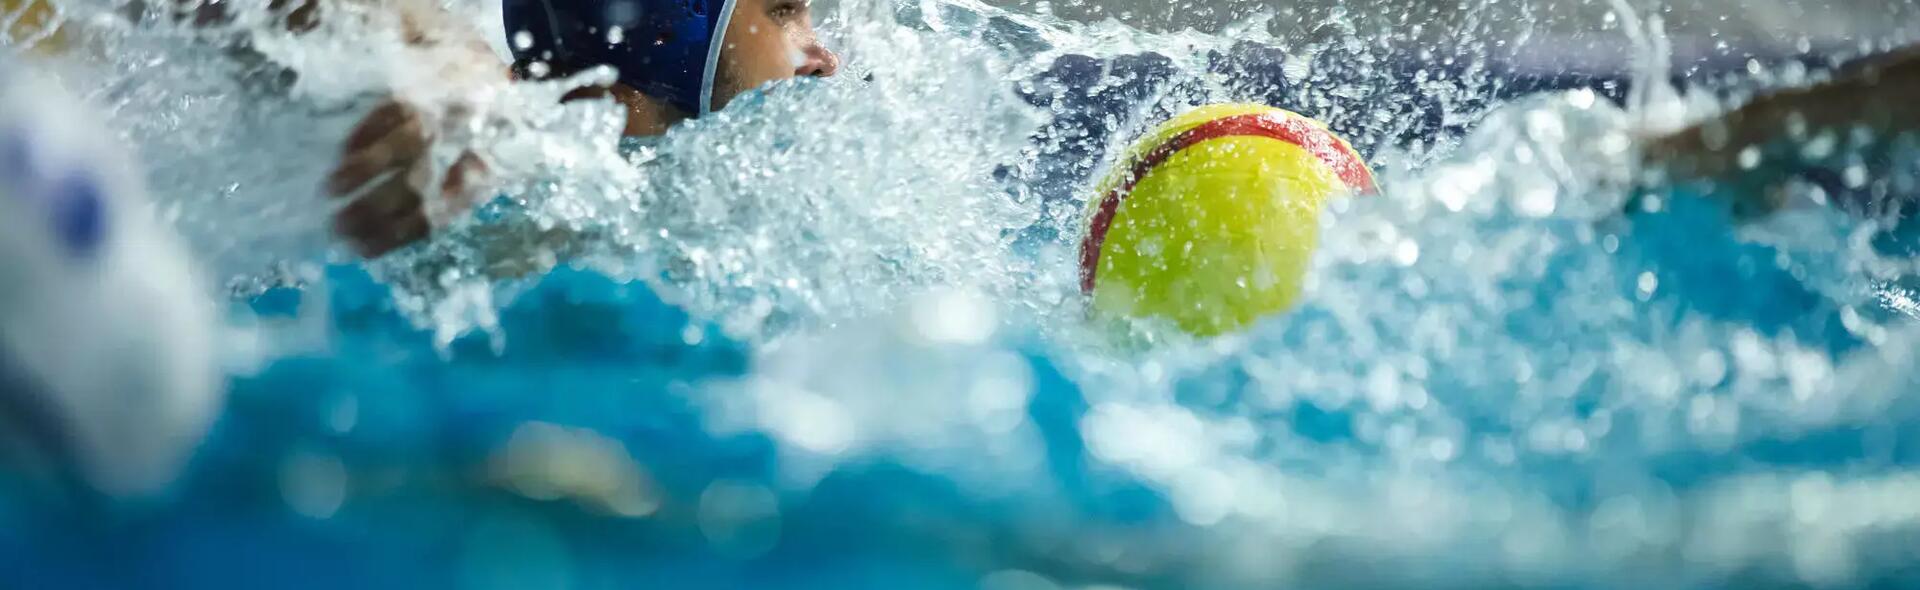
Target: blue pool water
{"type": "Point", "coordinates": [379, 460]}
{"type": "Point", "coordinates": [1518, 366]}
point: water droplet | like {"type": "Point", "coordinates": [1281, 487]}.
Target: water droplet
{"type": "Point", "coordinates": [345, 414]}
{"type": "Point", "coordinates": [314, 485]}
{"type": "Point", "coordinates": [1407, 253]}
{"type": "Point", "coordinates": [740, 519]}
{"type": "Point", "coordinates": [1819, 147]}
{"type": "Point", "coordinates": [1855, 176]}
{"type": "Point", "coordinates": [1581, 99]}
{"type": "Point", "coordinates": [954, 317]}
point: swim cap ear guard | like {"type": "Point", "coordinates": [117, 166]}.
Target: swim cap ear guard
{"type": "Point", "coordinates": [667, 49]}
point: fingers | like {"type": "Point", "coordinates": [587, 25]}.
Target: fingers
{"type": "Point", "coordinates": [384, 176]}
{"type": "Point", "coordinates": [465, 181]}
{"type": "Point", "coordinates": [377, 241]}
{"type": "Point", "coordinates": [393, 213]}
{"type": "Point", "coordinates": [385, 118]}
{"type": "Point", "coordinates": [385, 213]}
{"type": "Point", "coordinates": [386, 218]}
{"type": "Point", "coordinates": [399, 147]}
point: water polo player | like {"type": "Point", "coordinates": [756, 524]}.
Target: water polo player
{"type": "Point", "coordinates": [705, 52]}
{"type": "Point", "coordinates": [108, 375]}
{"type": "Point", "coordinates": [677, 59]}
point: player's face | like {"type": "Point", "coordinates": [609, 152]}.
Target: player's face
{"type": "Point", "coordinates": [767, 41]}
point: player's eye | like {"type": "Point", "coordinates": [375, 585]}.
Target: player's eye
{"type": "Point", "coordinates": [784, 10]}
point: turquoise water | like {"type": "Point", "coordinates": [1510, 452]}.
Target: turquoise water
{"type": "Point", "coordinates": [601, 448]}
{"type": "Point", "coordinates": [830, 339]}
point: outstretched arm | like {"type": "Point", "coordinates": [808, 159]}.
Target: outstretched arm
{"type": "Point", "coordinates": [380, 175]}
{"type": "Point", "coordinates": [1875, 94]}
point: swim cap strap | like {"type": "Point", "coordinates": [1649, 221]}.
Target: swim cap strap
{"type": "Point", "coordinates": [724, 18]}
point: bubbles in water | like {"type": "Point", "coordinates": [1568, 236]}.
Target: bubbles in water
{"type": "Point", "coordinates": [740, 519]}
{"type": "Point", "coordinates": [1517, 356]}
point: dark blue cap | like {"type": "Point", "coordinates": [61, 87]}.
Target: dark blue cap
{"type": "Point", "coordinates": [74, 203]}
{"type": "Point", "coordinates": [667, 49]}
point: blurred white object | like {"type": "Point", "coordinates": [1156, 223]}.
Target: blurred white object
{"type": "Point", "coordinates": [106, 358]}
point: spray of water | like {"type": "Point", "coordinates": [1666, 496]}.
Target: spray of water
{"type": "Point", "coordinates": [1516, 356]}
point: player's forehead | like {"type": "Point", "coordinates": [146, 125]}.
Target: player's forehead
{"type": "Point", "coordinates": [804, 3]}
{"type": "Point", "coordinates": [809, 5]}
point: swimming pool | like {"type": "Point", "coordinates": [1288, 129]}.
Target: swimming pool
{"type": "Point", "coordinates": [1511, 368]}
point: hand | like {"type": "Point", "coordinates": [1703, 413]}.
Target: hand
{"type": "Point", "coordinates": [384, 171]}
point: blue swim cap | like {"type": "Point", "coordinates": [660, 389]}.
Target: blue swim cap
{"type": "Point", "coordinates": [72, 202]}
{"type": "Point", "coordinates": [668, 49]}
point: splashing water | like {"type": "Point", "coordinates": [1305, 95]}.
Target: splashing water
{"type": "Point", "coordinates": [849, 301]}
{"type": "Point", "coordinates": [864, 191]}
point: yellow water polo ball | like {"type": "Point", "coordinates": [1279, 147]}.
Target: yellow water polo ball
{"type": "Point", "coordinates": [1210, 220]}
